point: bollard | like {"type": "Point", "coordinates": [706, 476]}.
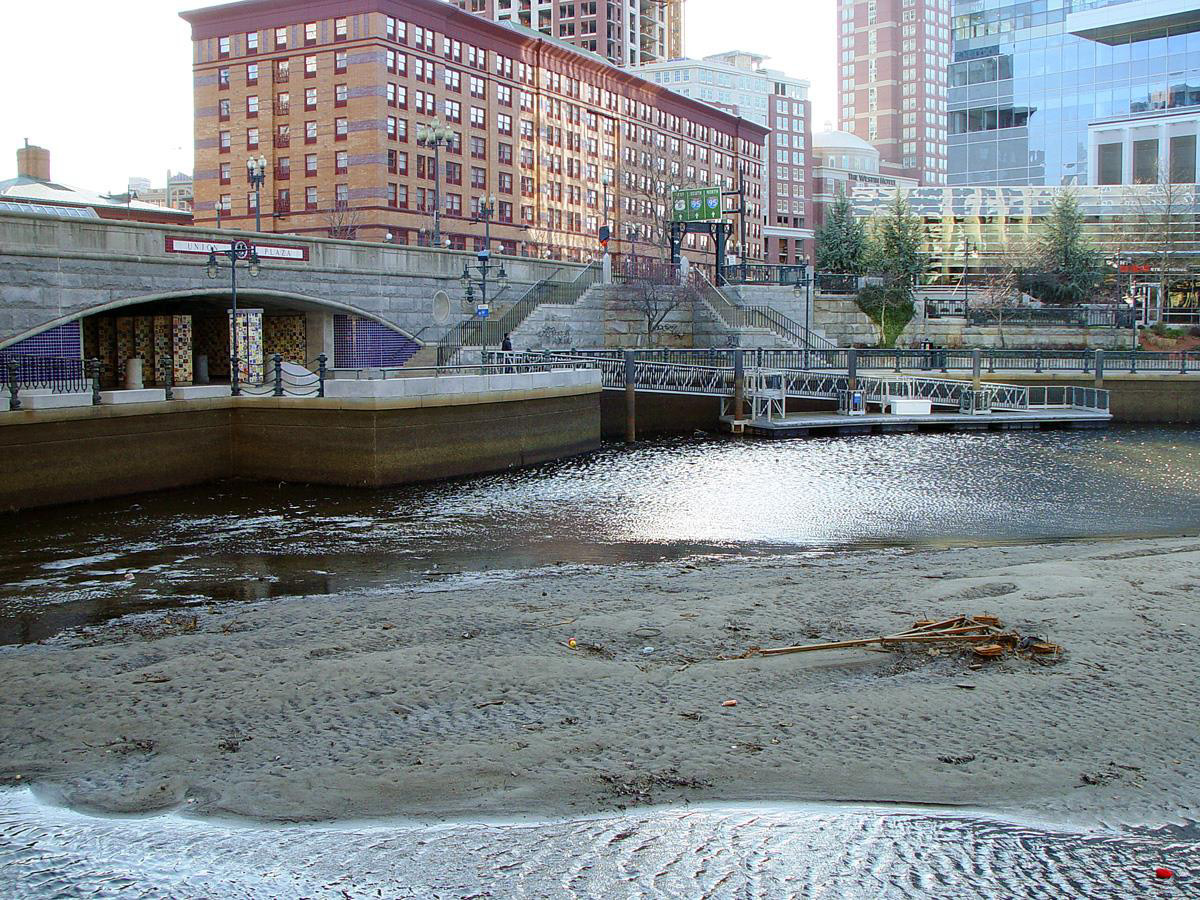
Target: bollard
{"type": "Point", "coordinates": [991, 362]}
{"type": "Point", "coordinates": [234, 388]}
{"type": "Point", "coordinates": [739, 384]}
{"type": "Point", "coordinates": [278, 360]}
{"type": "Point", "coordinates": [321, 375]}
{"type": "Point", "coordinates": [852, 369]}
{"type": "Point", "coordinates": [1099, 369]}
{"type": "Point", "coordinates": [94, 371]}
{"type": "Point", "coordinates": [945, 354]}
{"type": "Point", "coordinates": [14, 402]}
{"type": "Point", "coordinates": [630, 398]}
{"type": "Point", "coordinates": [1037, 361]}
{"type": "Point", "coordinates": [168, 374]}
{"type": "Point", "coordinates": [976, 366]}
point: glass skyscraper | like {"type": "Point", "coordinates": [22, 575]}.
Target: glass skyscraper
{"type": "Point", "coordinates": [1028, 79]}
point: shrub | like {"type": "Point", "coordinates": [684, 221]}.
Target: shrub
{"type": "Point", "coordinates": [891, 306]}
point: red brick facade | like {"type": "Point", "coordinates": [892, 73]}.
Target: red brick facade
{"type": "Point", "coordinates": [332, 94]}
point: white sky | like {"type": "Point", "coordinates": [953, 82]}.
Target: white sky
{"type": "Point", "coordinates": [113, 96]}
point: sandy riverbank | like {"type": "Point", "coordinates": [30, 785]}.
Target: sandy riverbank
{"type": "Point", "coordinates": [463, 699]}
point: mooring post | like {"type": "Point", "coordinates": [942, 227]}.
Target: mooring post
{"type": "Point", "coordinates": [976, 366]}
{"type": "Point", "coordinates": [1099, 369]}
{"type": "Point", "coordinates": [852, 369]}
{"type": "Point", "coordinates": [321, 360]}
{"type": "Point", "coordinates": [739, 384]}
{"type": "Point", "coordinates": [164, 365]}
{"type": "Point", "coordinates": [630, 398]}
{"type": "Point", "coordinates": [14, 402]}
{"type": "Point", "coordinates": [94, 372]}
{"type": "Point", "coordinates": [277, 359]}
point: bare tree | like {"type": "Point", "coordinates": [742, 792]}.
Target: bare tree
{"type": "Point", "coordinates": [1002, 290]}
{"type": "Point", "coordinates": [655, 299]}
{"type": "Point", "coordinates": [1167, 220]}
{"type": "Point", "coordinates": [343, 221]}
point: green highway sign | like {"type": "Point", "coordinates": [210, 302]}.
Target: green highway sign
{"type": "Point", "coordinates": [696, 204]}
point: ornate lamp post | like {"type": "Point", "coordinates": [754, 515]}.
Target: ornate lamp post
{"type": "Point", "coordinates": [1120, 262]}
{"type": "Point", "coordinates": [237, 250]}
{"type": "Point", "coordinates": [434, 135]}
{"type": "Point", "coordinates": [484, 267]}
{"type": "Point", "coordinates": [256, 172]}
{"type": "Point", "coordinates": [606, 180]}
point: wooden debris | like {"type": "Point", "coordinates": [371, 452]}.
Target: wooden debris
{"type": "Point", "coordinates": [986, 631]}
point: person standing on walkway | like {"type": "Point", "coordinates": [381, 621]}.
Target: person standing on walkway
{"type": "Point", "coordinates": [506, 345]}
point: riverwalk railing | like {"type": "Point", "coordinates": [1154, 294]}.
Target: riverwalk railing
{"type": "Point", "coordinates": [736, 317]}
{"type": "Point", "coordinates": [58, 374]}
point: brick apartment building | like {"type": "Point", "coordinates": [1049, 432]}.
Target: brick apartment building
{"type": "Point", "coordinates": [625, 32]}
{"type": "Point", "coordinates": [332, 94]}
{"type": "Point", "coordinates": [892, 64]}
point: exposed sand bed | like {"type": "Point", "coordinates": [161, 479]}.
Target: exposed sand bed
{"type": "Point", "coordinates": [367, 705]}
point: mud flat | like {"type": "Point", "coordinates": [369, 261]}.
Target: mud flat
{"type": "Point", "coordinates": [462, 698]}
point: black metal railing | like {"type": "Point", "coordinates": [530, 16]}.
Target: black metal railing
{"type": "Point", "coordinates": [756, 273]}
{"type": "Point", "coordinates": [58, 374]}
{"type": "Point", "coordinates": [1051, 316]}
{"type": "Point", "coordinates": [838, 283]}
{"type": "Point", "coordinates": [280, 381]}
{"type": "Point", "coordinates": [490, 332]}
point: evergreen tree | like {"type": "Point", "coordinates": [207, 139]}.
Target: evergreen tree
{"type": "Point", "coordinates": [1070, 264]}
{"type": "Point", "coordinates": [897, 246]}
{"type": "Point", "coordinates": [842, 239]}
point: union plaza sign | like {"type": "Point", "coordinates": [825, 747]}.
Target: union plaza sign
{"type": "Point", "coordinates": [265, 251]}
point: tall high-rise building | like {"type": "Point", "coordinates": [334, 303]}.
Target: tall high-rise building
{"type": "Point", "coordinates": [1072, 92]}
{"type": "Point", "coordinates": [625, 32]}
{"type": "Point", "coordinates": [739, 82]}
{"type": "Point", "coordinates": [892, 60]}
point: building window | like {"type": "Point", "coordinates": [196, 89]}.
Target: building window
{"type": "Point", "coordinates": [478, 178]}
{"type": "Point", "coordinates": [478, 117]}
{"type": "Point", "coordinates": [223, 79]}
{"type": "Point", "coordinates": [223, 109]}
{"type": "Point", "coordinates": [1145, 161]}
{"type": "Point", "coordinates": [223, 141]}
{"type": "Point", "coordinates": [1109, 164]}
{"type": "Point", "coordinates": [341, 162]}
{"type": "Point", "coordinates": [453, 110]}
{"type": "Point", "coordinates": [392, 195]}
{"type": "Point", "coordinates": [225, 203]}
{"type": "Point", "coordinates": [310, 132]}
{"type": "Point", "coordinates": [222, 47]}
{"type": "Point", "coordinates": [226, 173]}
{"type": "Point", "coordinates": [340, 94]}
{"type": "Point", "coordinates": [252, 42]}
{"type": "Point", "coordinates": [402, 196]}
{"type": "Point", "coordinates": [310, 98]}
{"type": "Point", "coordinates": [310, 67]}
{"type": "Point", "coordinates": [310, 197]}
{"type": "Point", "coordinates": [283, 200]}
{"type": "Point", "coordinates": [1183, 159]}
{"type": "Point", "coordinates": [339, 29]}
{"type": "Point", "coordinates": [251, 138]}
{"type": "Point", "coordinates": [283, 135]}
{"type": "Point", "coordinates": [339, 61]}
{"type": "Point", "coordinates": [252, 106]}
{"type": "Point", "coordinates": [310, 164]}
{"type": "Point", "coordinates": [341, 129]}
{"type": "Point", "coordinates": [280, 38]}
{"type": "Point", "coordinates": [283, 169]}
{"type": "Point", "coordinates": [341, 193]}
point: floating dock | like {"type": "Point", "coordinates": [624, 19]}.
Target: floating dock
{"type": "Point", "coordinates": [832, 423]}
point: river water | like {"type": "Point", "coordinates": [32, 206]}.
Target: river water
{"type": "Point", "coordinates": [93, 563]}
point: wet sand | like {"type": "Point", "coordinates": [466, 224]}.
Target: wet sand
{"type": "Point", "coordinates": [462, 698]}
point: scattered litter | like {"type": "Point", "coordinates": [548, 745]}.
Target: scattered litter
{"type": "Point", "coordinates": [489, 703]}
{"type": "Point", "coordinates": [729, 703]}
{"type": "Point", "coordinates": [571, 643]}
{"type": "Point", "coordinates": [965, 686]}
{"type": "Point", "coordinates": [1163, 872]}
{"type": "Point", "coordinates": [646, 651]}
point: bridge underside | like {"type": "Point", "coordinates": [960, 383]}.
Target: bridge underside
{"type": "Point", "coordinates": [187, 337]}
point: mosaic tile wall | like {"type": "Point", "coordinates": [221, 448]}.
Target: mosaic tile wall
{"type": "Point", "coordinates": [209, 337]}
{"type": "Point", "coordinates": [362, 343]}
{"type": "Point", "coordinates": [249, 343]}
{"type": "Point", "coordinates": [181, 349]}
{"type": "Point", "coordinates": [64, 341]}
{"type": "Point", "coordinates": [163, 364]}
{"type": "Point", "coordinates": [124, 345]}
{"type": "Point", "coordinates": [287, 336]}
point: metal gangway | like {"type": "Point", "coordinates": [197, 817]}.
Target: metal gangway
{"type": "Point", "coordinates": [767, 389]}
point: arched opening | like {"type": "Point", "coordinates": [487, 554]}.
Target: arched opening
{"type": "Point", "coordinates": [186, 336]}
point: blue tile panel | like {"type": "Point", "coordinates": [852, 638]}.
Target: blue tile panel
{"type": "Point", "coordinates": [362, 343]}
{"type": "Point", "coordinates": [65, 341]}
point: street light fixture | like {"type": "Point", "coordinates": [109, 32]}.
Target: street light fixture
{"type": "Point", "coordinates": [484, 266]}
{"type": "Point", "coordinates": [256, 172]}
{"type": "Point", "coordinates": [237, 250]}
{"type": "Point", "coordinates": [435, 134]}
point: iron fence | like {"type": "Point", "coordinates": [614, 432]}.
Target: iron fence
{"type": "Point", "coordinates": [754, 273]}
{"type": "Point", "coordinates": [477, 332]}
{"type": "Point", "coordinates": [58, 374]}
{"type": "Point", "coordinates": [288, 380]}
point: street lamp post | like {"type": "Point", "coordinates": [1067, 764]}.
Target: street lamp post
{"type": "Point", "coordinates": [256, 172]}
{"type": "Point", "coordinates": [1119, 261]}
{"type": "Point", "coordinates": [484, 266]}
{"type": "Point", "coordinates": [237, 250]}
{"type": "Point", "coordinates": [434, 135]}
{"type": "Point", "coordinates": [606, 180]}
